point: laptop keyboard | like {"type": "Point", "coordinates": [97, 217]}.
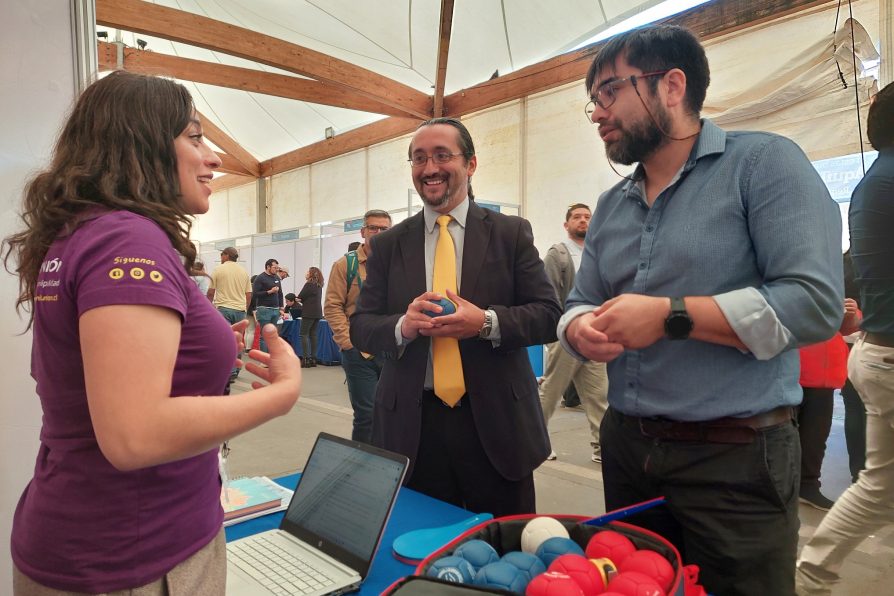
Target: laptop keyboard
{"type": "Point", "coordinates": [279, 571]}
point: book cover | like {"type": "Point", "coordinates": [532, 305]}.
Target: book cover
{"type": "Point", "coordinates": [249, 497]}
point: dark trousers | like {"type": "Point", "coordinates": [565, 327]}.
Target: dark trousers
{"type": "Point", "coordinates": [362, 376]}
{"type": "Point", "coordinates": [854, 429]}
{"type": "Point", "coordinates": [814, 424]}
{"type": "Point", "coordinates": [732, 509]}
{"type": "Point", "coordinates": [451, 464]}
{"type": "Point", "coordinates": [309, 337]}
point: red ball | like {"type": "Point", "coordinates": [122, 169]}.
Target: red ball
{"type": "Point", "coordinates": [633, 583]}
{"type": "Point", "coordinates": [651, 563]}
{"type": "Point", "coordinates": [552, 583]}
{"type": "Point", "coordinates": [609, 545]}
{"type": "Point", "coordinates": [582, 571]}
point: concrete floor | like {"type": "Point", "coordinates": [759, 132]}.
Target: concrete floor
{"type": "Point", "coordinates": [571, 484]}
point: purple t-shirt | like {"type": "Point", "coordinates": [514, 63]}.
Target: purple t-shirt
{"type": "Point", "coordinates": [82, 525]}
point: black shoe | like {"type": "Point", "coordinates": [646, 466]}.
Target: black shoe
{"type": "Point", "coordinates": [305, 362]}
{"type": "Point", "coordinates": [313, 362]}
{"type": "Point", "coordinates": [813, 497]}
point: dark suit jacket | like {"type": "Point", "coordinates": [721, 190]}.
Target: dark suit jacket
{"type": "Point", "coordinates": [501, 271]}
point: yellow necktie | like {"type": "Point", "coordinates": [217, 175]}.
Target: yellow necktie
{"type": "Point", "coordinates": [446, 362]}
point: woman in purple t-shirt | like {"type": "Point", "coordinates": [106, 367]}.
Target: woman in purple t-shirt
{"type": "Point", "coordinates": [130, 358]}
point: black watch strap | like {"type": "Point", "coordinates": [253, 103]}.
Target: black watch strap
{"type": "Point", "coordinates": [677, 325]}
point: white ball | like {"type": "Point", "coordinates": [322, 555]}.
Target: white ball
{"type": "Point", "coordinates": [539, 529]}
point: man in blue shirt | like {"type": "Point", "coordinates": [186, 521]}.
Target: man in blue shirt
{"type": "Point", "coordinates": [701, 274]}
{"type": "Point", "coordinates": [867, 505]}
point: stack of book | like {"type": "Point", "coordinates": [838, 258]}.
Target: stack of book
{"type": "Point", "coordinates": [247, 498]}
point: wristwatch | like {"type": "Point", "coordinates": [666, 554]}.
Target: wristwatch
{"type": "Point", "coordinates": [488, 325]}
{"type": "Point", "coordinates": [677, 325]}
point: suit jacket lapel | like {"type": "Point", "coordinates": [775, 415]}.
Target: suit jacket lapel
{"type": "Point", "coordinates": [412, 248]}
{"type": "Point", "coordinates": [478, 231]}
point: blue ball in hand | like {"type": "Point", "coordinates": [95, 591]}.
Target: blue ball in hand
{"type": "Point", "coordinates": [448, 308]}
{"type": "Point", "coordinates": [477, 552]}
{"type": "Point", "coordinates": [555, 547]}
{"type": "Point", "coordinates": [452, 569]}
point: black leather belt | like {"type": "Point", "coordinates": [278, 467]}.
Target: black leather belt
{"type": "Point", "coordinates": [879, 339]}
{"type": "Point", "coordinates": [721, 430]}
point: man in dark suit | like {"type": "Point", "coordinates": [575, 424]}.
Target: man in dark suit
{"type": "Point", "coordinates": [457, 394]}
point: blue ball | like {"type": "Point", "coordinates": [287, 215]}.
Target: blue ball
{"type": "Point", "coordinates": [452, 569]}
{"type": "Point", "coordinates": [444, 303]}
{"type": "Point", "coordinates": [527, 562]}
{"type": "Point", "coordinates": [555, 547]}
{"type": "Point", "coordinates": [503, 576]}
{"type": "Point", "coordinates": [477, 552]}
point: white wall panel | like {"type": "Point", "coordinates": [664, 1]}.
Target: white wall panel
{"type": "Point", "coordinates": [243, 210]}
{"type": "Point", "coordinates": [36, 90]}
{"type": "Point", "coordinates": [497, 136]}
{"type": "Point", "coordinates": [338, 187]}
{"type": "Point", "coordinates": [289, 199]}
{"type": "Point", "coordinates": [389, 175]}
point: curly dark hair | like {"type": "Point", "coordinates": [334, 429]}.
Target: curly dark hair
{"type": "Point", "coordinates": [316, 276]}
{"type": "Point", "coordinates": [115, 152]}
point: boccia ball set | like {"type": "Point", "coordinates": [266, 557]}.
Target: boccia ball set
{"type": "Point", "coordinates": [552, 564]}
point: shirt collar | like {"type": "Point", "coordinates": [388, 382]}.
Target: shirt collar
{"type": "Point", "coordinates": [711, 140]}
{"type": "Point", "coordinates": [459, 214]}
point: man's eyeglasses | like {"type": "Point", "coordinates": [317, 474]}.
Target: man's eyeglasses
{"type": "Point", "coordinates": [607, 93]}
{"type": "Point", "coordinates": [439, 157]}
{"type": "Point", "coordinates": [377, 229]}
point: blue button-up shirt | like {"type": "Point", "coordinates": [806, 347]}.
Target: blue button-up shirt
{"type": "Point", "coordinates": [747, 221]}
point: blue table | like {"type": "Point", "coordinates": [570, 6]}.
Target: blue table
{"type": "Point", "coordinates": [412, 511]}
{"type": "Point", "coordinates": [328, 352]}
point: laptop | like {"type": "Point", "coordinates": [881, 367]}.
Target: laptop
{"type": "Point", "coordinates": [331, 530]}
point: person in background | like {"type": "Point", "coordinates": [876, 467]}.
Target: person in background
{"type": "Point", "coordinates": [823, 370]}
{"type": "Point", "coordinates": [311, 313]}
{"type": "Point", "coordinates": [267, 290]}
{"type": "Point", "coordinates": [129, 356]}
{"type": "Point", "coordinates": [202, 279]}
{"type": "Point", "coordinates": [353, 246]}
{"type": "Point", "coordinates": [345, 281]}
{"type": "Point", "coordinates": [868, 504]}
{"type": "Point", "coordinates": [854, 410]}
{"type": "Point", "coordinates": [562, 369]}
{"type": "Point", "coordinates": [292, 307]}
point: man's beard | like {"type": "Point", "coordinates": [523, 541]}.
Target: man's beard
{"type": "Point", "coordinates": [639, 140]}
{"type": "Point", "coordinates": [438, 201]}
{"type": "Point", "coordinates": [580, 234]}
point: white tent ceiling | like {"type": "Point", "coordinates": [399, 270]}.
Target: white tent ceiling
{"type": "Point", "coordinates": [395, 38]}
{"type": "Point", "coordinates": [391, 49]}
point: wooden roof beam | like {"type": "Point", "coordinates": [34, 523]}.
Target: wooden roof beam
{"type": "Point", "coordinates": [229, 181]}
{"type": "Point", "coordinates": [185, 27]}
{"type": "Point", "coordinates": [231, 165]}
{"type": "Point", "coordinates": [243, 79]}
{"type": "Point", "coordinates": [443, 53]}
{"type": "Point", "coordinates": [361, 137]}
{"type": "Point", "coordinates": [707, 21]}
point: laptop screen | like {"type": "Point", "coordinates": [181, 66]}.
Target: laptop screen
{"type": "Point", "coordinates": [343, 499]}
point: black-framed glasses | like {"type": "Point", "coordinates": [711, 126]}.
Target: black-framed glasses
{"type": "Point", "coordinates": [377, 229]}
{"type": "Point", "coordinates": [439, 157]}
{"type": "Point", "coordinates": [607, 93]}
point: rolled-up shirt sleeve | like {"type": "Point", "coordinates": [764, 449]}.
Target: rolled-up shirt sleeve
{"type": "Point", "coordinates": [795, 228]}
{"type": "Point", "coordinates": [755, 322]}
